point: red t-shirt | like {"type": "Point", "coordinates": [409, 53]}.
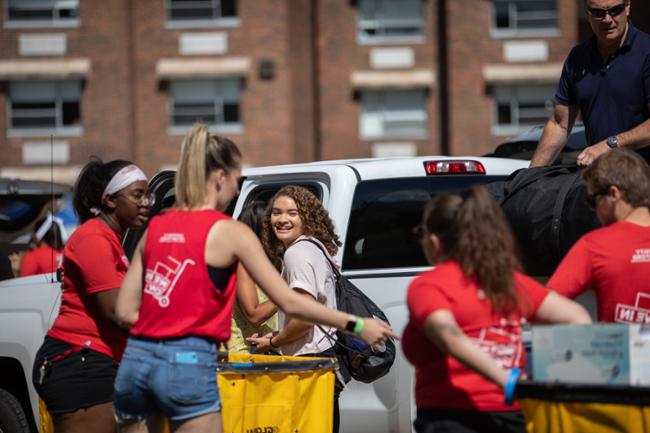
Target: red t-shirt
{"type": "Point", "coordinates": [179, 297]}
{"type": "Point", "coordinates": [40, 260]}
{"type": "Point", "coordinates": [615, 262]}
{"type": "Point", "coordinates": [93, 262]}
{"type": "Point", "coordinates": [442, 382]}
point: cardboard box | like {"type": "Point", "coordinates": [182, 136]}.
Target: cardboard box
{"type": "Point", "coordinates": [596, 354]}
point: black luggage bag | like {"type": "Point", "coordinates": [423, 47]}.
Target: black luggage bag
{"type": "Point", "coordinates": [548, 212]}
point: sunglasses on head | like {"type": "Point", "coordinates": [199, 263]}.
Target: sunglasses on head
{"type": "Point", "coordinates": [612, 11]}
{"type": "Point", "coordinates": [592, 199]}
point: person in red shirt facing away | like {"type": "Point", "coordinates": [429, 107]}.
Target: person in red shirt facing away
{"type": "Point", "coordinates": [75, 367]}
{"type": "Point", "coordinates": [466, 315]}
{"type": "Point", "coordinates": [613, 260]}
{"type": "Point", "coordinates": [46, 256]}
{"type": "Point", "coordinates": [179, 292]}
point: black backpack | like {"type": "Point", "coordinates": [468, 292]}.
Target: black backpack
{"type": "Point", "coordinates": [356, 358]}
{"type": "Point", "coordinates": [547, 211]}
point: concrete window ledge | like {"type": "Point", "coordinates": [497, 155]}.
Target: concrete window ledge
{"type": "Point", "coordinates": [176, 68]}
{"type": "Point", "coordinates": [414, 78]}
{"type": "Point", "coordinates": [528, 73]}
{"type": "Point", "coordinates": [15, 69]}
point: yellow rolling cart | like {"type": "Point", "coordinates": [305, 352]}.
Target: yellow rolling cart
{"type": "Point", "coordinates": [270, 394]}
{"type": "Point", "coordinates": [578, 408]}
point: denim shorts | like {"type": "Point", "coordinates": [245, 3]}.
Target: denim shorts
{"type": "Point", "coordinates": [177, 377]}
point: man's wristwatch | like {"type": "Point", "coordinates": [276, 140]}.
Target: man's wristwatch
{"type": "Point", "coordinates": [612, 142]}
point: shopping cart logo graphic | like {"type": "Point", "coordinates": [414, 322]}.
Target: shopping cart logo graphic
{"type": "Point", "coordinates": [503, 346]}
{"type": "Point", "coordinates": [160, 281]}
{"type": "Point", "coordinates": [637, 313]}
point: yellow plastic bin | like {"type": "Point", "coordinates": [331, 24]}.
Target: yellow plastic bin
{"type": "Point", "coordinates": [269, 394]}
{"type": "Point", "coordinates": [577, 408]}
{"type": "Point", "coordinates": [263, 393]}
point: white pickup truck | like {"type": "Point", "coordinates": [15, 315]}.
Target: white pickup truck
{"type": "Point", "coordinates": [374, 204]}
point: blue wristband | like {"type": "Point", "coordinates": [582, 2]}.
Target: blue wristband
{"type": "Point", "coordinates": [511, 384]}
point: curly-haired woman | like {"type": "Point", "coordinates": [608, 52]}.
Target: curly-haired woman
{"type": "Point", "coordinates": [179, 291]}
{"type": "Point", "coordinates": [299, 236]}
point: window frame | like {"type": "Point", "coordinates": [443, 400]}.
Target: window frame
{"type": "Point", "coordinates": [515, 32]}
{"type": "Point", "coordinates": [383, 112]}
{"type": "Point", "coordinates": [42, 23]}
{"type": "Point", "coordinates": [225, 22]}
{"type": "Point", "coordinates": [59, 129]}
{"type": "Point", "coordinates": [365, 39]}
{"type": "Point", "coordinates": [518, 93]}
{"type": "Point", "coordinates": [222, 128]}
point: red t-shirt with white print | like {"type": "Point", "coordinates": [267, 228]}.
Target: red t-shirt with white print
{"type": "Point", "coordinates": [93, 262]}
{"type": "Point", "coordinates": [179, 297]}
{"type": "Point", "coordinates": [442, 382]}
{"type": "Point", "coordinates": [615, 262]}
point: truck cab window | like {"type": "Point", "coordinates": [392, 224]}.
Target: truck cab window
{"type": "Point", "coordinates": [384, 213]}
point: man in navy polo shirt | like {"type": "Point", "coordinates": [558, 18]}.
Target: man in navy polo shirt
{"type": "Point", "coordinates": [607, 80]}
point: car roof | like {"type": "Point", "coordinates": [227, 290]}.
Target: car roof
{"type": "Point", "coordinates": [577, 138]}
{"type": "Point", "coordinates": [14, 186]}
{"type": "Point", "coordinates": [393, 167]}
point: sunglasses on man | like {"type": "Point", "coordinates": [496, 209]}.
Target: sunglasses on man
{"type": "Point", "coordinates": [611, 11]}
{"type": "Point", "coordinates": [592, 199]}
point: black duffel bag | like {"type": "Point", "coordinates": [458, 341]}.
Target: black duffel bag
{"type": "Point", "coordinates": [548, 212]}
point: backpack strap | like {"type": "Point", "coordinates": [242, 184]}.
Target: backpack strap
{"type": "Point", "coordinates": [335, 268]}
{"type": "Point", "coordinates": [338, 275]}
{"type": "Point", "coordinates": [556, 222]}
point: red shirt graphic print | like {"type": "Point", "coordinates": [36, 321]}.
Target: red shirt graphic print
{"type": "Point", "coordinates": [179, 298]}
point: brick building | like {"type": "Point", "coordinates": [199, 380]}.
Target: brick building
{"type": "Point", "coordinates": [288, 80]}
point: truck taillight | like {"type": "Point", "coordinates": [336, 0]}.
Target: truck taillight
{"type": "Point", "coordinates": [460, 166]}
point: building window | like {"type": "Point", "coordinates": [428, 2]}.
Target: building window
{"type": "Point", "coordinates": [387, 20]}
{"type": "Point", "coordinates": [44, 107]}
{"type": "Point", "coordinates": [27, 13]}
{"type": "Point", "coordinates": [524, 16]}
{"type": "Point", "coordinates": [517, 108]}
{"type": "Point", "coordinates": [201, 12]}
{"type": "Point", "coordinates": [393, 114]}
{"type": "Point", "coordinates": [213, 102]}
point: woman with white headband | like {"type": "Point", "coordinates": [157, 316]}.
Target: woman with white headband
{"type": "Point", "coordinates": [75, 367]}
{"type": "Point", "coordinates": [45, 257]}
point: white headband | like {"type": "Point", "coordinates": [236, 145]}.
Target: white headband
{"type": "Point", "coordinates": [47, 225]}
{"type": "Point", "coordinates": [123, 178]}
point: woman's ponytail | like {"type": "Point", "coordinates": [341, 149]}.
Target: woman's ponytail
{"type": "Point", "coordinates": [191, 175]}
{"type": "Point", "coordinates": [202, 153]}
{"type": "Point", "coordinates": [473, 231]}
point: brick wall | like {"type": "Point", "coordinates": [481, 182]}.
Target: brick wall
{"type": "Point", "coordinates": [308, 110]}
{"type": "Point", "coordinates": [471, 47]}
{"type": "Point", "coordinates": [339, 55]}
{"type": "Point", "coordinates": [101, 37]}
{"type": "Point", "coordinates": [265, 105]}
